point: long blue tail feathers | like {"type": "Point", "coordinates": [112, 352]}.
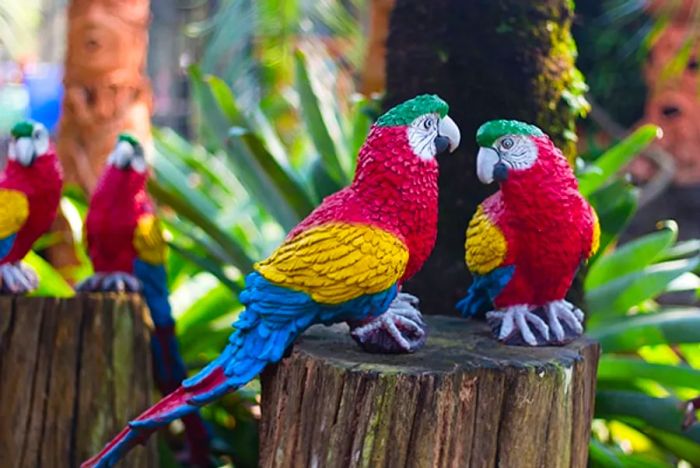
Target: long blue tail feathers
{"type": "Point", "coordinates": [273, 318]}
{"type": "Point", "coordinates": [168, 365]}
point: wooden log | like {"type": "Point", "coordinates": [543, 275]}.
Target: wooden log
{"type": "Point", "coordinates": [464, 400]}
{"type": "Point", "coordinates": [72, 372]}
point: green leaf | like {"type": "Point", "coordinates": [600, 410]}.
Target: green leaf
{"type": "Point", "coordinates": [617, 157]}
{"type": "Point", "coordinates": [51, 283]}
{"type": "Point", "coordinates": [217, 302]}
{"type": "Point", "coordinates": [627, 368]}
{"type": "Point", "coordinates": [602, 456]}
{"type": "Point", "coordinates": [632, 256]}
{"type": "Point", "coordinates": [642, 411]}
{"type": "Point", "coordinates": [261, 173]}
{"type": "Point", "coordinates": [682, 249]}
{"type": "Point", "coordinates": [315, 121]}
{"type": "Point", "coordinates": [236, 254]}
{"type": "Point", "coordinates": [615, 204]}
{"type": "Point", "coordinates": [207, 265]}
{"type": "Point", "coordinates": [630, 333]}
{"type": "Point", "coordinates": [618, 295]}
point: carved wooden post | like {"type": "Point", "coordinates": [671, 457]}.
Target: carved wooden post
{"type": "Point", "coordinates": [71, 372]}
{"type": "Point", "coordinates": [107, 90]}
{"type": "Point", "coordinates": [464, 400]}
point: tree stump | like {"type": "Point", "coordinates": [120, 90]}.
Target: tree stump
{"type": "Point", "coordinates": [464, 400]}
{"type": "Point", "coordinates": [72, 373]}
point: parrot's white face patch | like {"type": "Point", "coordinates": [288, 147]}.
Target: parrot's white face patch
{"type": "Point", "coordinates": [125, 156]}
{"type": "Point", "coordinates": [517, 151]}
{"type": "Point", "coordinates": [26, 149]}
{"type": "Point", "coordinates": [421, 135]}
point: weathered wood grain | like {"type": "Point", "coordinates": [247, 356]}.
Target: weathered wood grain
{"type": "Point", "coordinates": [463, 401]}
{"type": "Point", "coordinates": [72, 372]}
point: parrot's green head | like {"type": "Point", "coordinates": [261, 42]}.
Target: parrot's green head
{"type": "Point", "coordinates": [430, 130]}
{"type": "Point", "coordinates": [505, 145]}
{"type": "Point", "coordinates": [128, 154]}
{"type": "Point", "coordinates": [30, 140]}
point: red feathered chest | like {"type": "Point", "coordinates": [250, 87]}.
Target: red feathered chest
{"type": "Point", "coordinates": [41, 183]}
{"type": "Point", "coordinates": [118, 202]}
{"type": "Point", "coordinates": [548, 228]}
{"type": "Point", "coordinates": [393, 189]}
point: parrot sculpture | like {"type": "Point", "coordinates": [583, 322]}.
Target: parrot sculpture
{"type": "Point", "coordinates": [125, 243]}
{"type": "Point", "coordinates": [30, 192]}
{"type": "Point", "coordinates": [526, 242]}
{"type": "Point", "coordinates": [345, 262]}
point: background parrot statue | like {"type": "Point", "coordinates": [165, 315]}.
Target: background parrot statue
{"type": "Point", "coordinates": [30, 191]}
{"type": "Point", "coordinates": [125, 243]}
{"type": "Point", "coordinates": [345, 262]}
{"type": "Point", "coordinates": [526, 242]}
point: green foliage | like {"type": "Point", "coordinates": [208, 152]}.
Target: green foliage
{"type": "Point", "coordinates": [649, 362]}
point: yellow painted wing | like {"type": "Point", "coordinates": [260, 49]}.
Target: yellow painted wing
{"type": "Point", "coordinates": [486, 247]}
{"type": "Point", "coordinates": [595, 240]}
{"type": "Point", "coordinates": [14, 211]}
{"type": "Point", "coordinates": [335, 263]}
{"type": "Point", "coordinates": [148, 240]}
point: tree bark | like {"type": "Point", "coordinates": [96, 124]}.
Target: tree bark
{"type": "Point", "coordinates": [71, 373]}
{"type": "Point", "coordinates": [464, 400]}
{"type": "Point", "coordinates": [106, 87]}
{"type": "Point", "coordinates": [489, 59]}
{"type": "Point", "coordinates": [107, 92]}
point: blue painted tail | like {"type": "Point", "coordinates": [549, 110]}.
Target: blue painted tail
{"type": "Point", "coordinates": [168, 366]}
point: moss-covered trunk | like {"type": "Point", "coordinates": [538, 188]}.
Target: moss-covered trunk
{"type": "Point", "coordinates": [489, 59]}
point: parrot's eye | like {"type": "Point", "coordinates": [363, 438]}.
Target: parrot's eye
{"type": "Point", "coordinates": [507, 143]}
{"type": "Point", "coordinates": [428, 124]}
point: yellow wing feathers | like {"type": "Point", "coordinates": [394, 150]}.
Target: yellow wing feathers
{"type": "Point", "coordinates": [595, 239]}
{"type": "Point", "coordinates": [14, 211]}
{"type": "Point", "coordinates": [148, 240]}
{"type": "Point", "coordinates": [335, 263]}
{"type": "Point", "coordinates": [486, 247]}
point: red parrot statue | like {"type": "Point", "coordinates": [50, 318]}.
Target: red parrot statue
{"type": "Point", "coordinates": [30, 192]}
{"type": "Point", "coordinates": [345, 262]}
{"type": "Point", "coordinates": [526, 241]}
{"type": "Point", "coordinates": [125, 243]}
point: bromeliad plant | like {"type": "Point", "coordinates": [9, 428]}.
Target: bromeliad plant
{"type": "Point", "coordinates": [650, 351]}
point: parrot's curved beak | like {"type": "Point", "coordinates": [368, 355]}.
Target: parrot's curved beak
{"type": "Point", "coordinates": [24, 151]}
{"type": "Point", "coordinates": [448, 135]}
{"type": "Point", "coordinates": [489, 166]}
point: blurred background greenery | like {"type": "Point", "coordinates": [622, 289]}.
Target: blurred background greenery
{"type": "Point", "coordinates": [258, 117]}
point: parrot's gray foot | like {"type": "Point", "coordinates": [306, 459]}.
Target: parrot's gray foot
{"type": "Point", "coordinates": [565, 321]}
{"type": "Point", "coordinates": [110, 282]}
{"type": "Point", "coordinates": [512, 326]}
{"type": "Point", "coordinates": [400, 329]}
{"type": "Point", "coordinates": [16, 278]}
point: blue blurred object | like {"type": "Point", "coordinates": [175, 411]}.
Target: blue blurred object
{"type": "Point", "coordinates": [45, 84]}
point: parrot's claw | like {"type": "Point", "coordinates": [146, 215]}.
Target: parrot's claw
{"type": "Point", "coordinates": [110, 282]}
{"type": "Point", "coordinates": [400, 329]}
{"type": "Point", "coordinates": [514, 319]}
{"type": "Point", "coordinates": [16, 278]}
{"type": "Point", "coordinates": [571, 316]}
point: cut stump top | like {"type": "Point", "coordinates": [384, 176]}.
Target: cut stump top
{"type": "Point", "coordinates": [454, 345]}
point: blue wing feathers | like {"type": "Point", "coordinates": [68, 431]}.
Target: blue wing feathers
{"type": "Point", "coordinates": [483, 290]}
{"type": "Point", "coordinates": [6, 245]}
